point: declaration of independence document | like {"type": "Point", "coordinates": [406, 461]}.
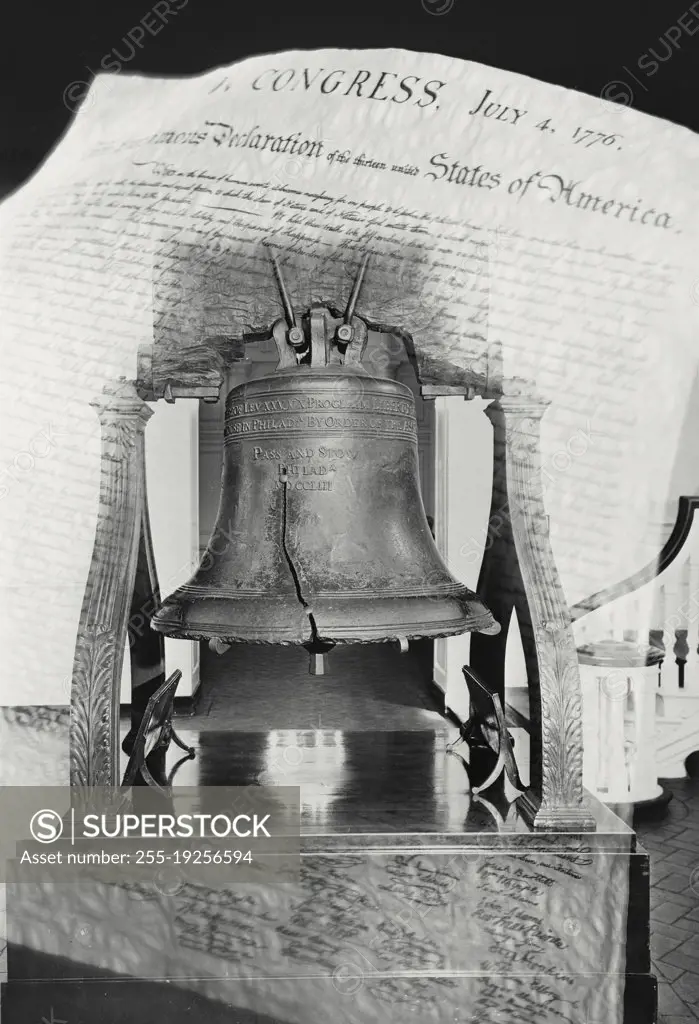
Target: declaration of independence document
{"type": "Point", "coordinates": [504, 216]}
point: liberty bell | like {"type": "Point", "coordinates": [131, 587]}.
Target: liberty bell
{"type": "Point", "coordinates": [321, 536]}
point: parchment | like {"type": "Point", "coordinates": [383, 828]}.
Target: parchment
{"type": "Point", "coordinates": [513, 225]}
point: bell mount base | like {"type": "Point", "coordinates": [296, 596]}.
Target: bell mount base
{"type": "Point", "coordinates": [453, 967]}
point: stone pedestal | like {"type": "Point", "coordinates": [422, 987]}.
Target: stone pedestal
{"type": "Point", "coordinates": [416, 901]}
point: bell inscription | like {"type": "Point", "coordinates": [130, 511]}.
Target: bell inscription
{"type": "Point", "coordinates": [328, 409]}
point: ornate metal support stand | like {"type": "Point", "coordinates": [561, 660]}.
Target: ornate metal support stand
{"type": "Point", "coordinates": [486, 730]}
{"type": "Point", "coordinates": [153, 737]}
{"type": "Point", "coordinates": [122, 553]}
{"type": "Point", "coordinates": [519, 572]}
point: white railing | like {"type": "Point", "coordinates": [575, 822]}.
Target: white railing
{"type": "Point", "coordinates": [658, 706]}
{"type": "Point", "coordinates": [663, 611]}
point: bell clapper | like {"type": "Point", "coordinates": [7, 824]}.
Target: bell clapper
{"type": "Point", "coordinates": [316, 666]}
{"type": "Point", "coordinates": [317, 651]}
{"type": "Point", "coordinates": [402, 644]}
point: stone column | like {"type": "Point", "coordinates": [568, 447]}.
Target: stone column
{"type": "Point", "coordinates": [519, 571]}
{"type": "Point", "coordinates": [102, 631]}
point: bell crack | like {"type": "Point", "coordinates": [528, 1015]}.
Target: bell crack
{"type": "Point", "coordinates": [315, 638]}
